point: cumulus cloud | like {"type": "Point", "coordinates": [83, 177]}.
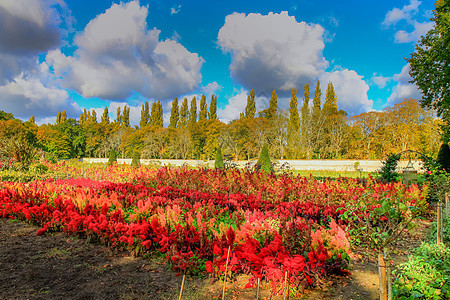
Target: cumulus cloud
{"type": "Point", "coordinates": [408, 14]}
{"type": "Point", "coordinates": [115, 59]}
{"type": "Point", "coordinates": [272, 51]}
{"type": "Point", "coordinates": [211, 88]}
{"type": "Point", "coordinates": [380, 80]}
{"type": "Point", "coordinates": [27, 95]}
{"type": "Point", "coordinates": [351, 90]}
{"type": "Point", "coordinates": [403, 90]}
{"type": "Point", "coordinates": [27, 28]}
{"type": "Point", "coordinates": [235, 106]}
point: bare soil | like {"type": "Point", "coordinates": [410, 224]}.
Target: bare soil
{"type": "Point", "coordinates": [58, 266]}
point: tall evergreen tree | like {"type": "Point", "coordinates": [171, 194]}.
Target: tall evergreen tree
{"type": "Point", "coordinates": [105, 117]}
{"type": "Point", "coordinates": [250, 108]}
{"type": "Point", "coordinates": [273, 106]}
{"type": "Point", "coordinates": [184, 113]}
{"type": "Point", "coordinates": [330, 105]}
{"type": "Point", "coordinates": [63, 116]}
{"type": "Point", "coordinates": [203, 109]}
{"type": "Point", "coordinates": [294, 118]}
{"type": "Point", "coordinates": [145, 115]}
{"type": "Point", "coordinates": [213, 108]}
{"type": "Point", "coordinates": [174, 114]}
{"type": "Point", "coordinates": [126, 116]}
{"type": "Point", "coordinates": [193, 112]}
{"type": "Point", "coordinates": [305, 108]}
{"type": "Point", "coordinates": [58, 117]}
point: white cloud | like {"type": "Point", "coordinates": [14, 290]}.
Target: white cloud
{"type": "Point", "coordinates": [235, 106]}
{"type": "Point", "coordinates": [408, 14]}
{"type": "Point", "coordinates": [176, 9]}
{"type": "Point", "coordinates": [380, 80]}
{"type": "Point", "coordinates": [27, 95]}
{"type": "Point", "coordinates": [272, 51]}
{"type": "Point", "coordinates": [351, 90]}
{"type": "Point", "coordinates": [211, 88]}
{"type": "Point", "coordinates": [115, 59]}
{"type": "Point", "coordinates": [27, 28]}
{"type": "Point", "coordinates": [420, 29]}
{"type": "Point", "coordinates": [403, 90]}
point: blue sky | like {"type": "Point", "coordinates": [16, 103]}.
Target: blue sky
{"type": "Point", "coordinates": [77, 54]}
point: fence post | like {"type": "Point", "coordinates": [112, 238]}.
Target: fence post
{"type": "Point", "coordinates": [226, 269]}
{"type": "Point", "coordinates": [182, 286]}
{"type": "Point", "coordinates": [382, 276]}
{"type": "Point", "coordinates": [439, 224]}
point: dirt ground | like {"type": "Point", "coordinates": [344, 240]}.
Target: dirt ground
{"type": "Point", "coordinates": [59, 266]}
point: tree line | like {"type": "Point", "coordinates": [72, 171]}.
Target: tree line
{"type": "Point", "coordinates": [316, 131]}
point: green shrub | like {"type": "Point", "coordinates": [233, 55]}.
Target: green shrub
{"type": "Point", "coordinates": [387, 171]}
{"type": "Point", "coordinates": [425, 276]}
{"type": "Point", "coordinates": [136, 160]}
{"type": "Point", "coordinates": [112, 157]}
{"type": "Point", "coordinates": [218, 162]}
{"type": "Point", "coordinates": [443, 157]}
{"type": "Point", "coordinates": [264, 160]}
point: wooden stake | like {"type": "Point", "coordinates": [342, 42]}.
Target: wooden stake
{"type": "Point", "coordinates": [285, 286]}
{"type": "Point", "coordinates": [257, 291]}
{"type": "Point", "coordinates": [226, 269]}
{"type": "Point", "coordinates": [182, 286]}
{"type": "Point", "coordinates": [438, 221]}
{"type": "Point", "coordinates": [388, 273]}
{"type": "Point", "coordinates": [446, 205]}
{"type": "Point", "coordinates": [382, 275]}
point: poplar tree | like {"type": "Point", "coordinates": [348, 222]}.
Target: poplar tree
{"type": "Point", "coordinates": [174, 114]}
{"type": "Point", "coordinates": [105, 117]}
{"type": "Point", "coordinates": [126, 116]}
{"type": "Point", "coordinates": [294, 118]}
{"type": "Point", "coordinates": [31, 120]}
{"type": "Point", "coordinates": [118, 116]}
{"type": "Point", "coordinates": [83, 117]}
{"type": "Point", "coordinates": [330, 105]}
{"type": "Point", "coordinates": [193, 112]}
{"type": "Point", "coordinates": [157, 114]}
{"type": "Point", "coordinates": [305, 108]}
{"type": "Point", "coordinates": [273, 106]}
{"type": "Point", "coordinates": [213, 108]}
{"type": "Point", "coordinates": [93, 117]}
{"type": "Point", "coordinates": [316, 100]}
{"type": "Point", "coordinates": [145, 115]}
{"type": "Point", "coordinates": [63, 116]}
{"type": "Point", "coordinates": [203, 109]}
{"type": "Point", "coordinates": [58, 117]}
{"type": "Point", "coordinates": [250, 108]}
{"type": "Point", "coordinates": [184, 114]}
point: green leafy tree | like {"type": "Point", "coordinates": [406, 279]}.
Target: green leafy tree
{"type": "Point", "coordinates": [157, 114]}
{"type": "Point", "coordinates": [4, 116]}
{"type": "Point", "coordinates": [250, 108]}
{"type": "Point", "coordinates": [213, 108]}
{"type": "Point", "coordinates": [218, 162]}
{"type": "Point", "coordinates": [93, 117]}
{"type": "Point", "coordinates": [203, 109]}
{"type": "Point", "coordinates": [174, 114]}
{"type": "Point", "coordinates": [294, 118]}
{"type": "Point", "coordinates": [430, 63]}
{"type": "Point", "coordinates": [184, 114]}
{"type": "Point", "coordinates": [118, 116]}
{"type": "Point", "coordinates": [32, 120]}
{"type": "Point", "coordinates": [264, 160]}
{"type": "Point", "coordinates": [193, 112]}
{"type": "Point", "coordinates": [126, 117]}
